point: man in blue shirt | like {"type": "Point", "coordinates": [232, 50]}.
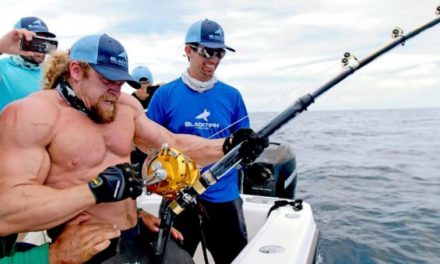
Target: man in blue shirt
{"type": "Point", "coordinates": [197, 103]}
{"type": "Point", "coordinates": [21, 75]}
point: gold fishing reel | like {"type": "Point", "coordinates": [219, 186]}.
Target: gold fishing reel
{"type": "Point", "coordinates": [167, 170]}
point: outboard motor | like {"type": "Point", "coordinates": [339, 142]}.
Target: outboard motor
{"type": "Point", "coordinates": [273, 174]}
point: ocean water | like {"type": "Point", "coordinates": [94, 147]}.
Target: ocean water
{"type": "Point", "coordinates": [372, 178]}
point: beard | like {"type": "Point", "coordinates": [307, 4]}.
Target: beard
{"type": "Point", "coordinates": [34, 60]}
{"type": "Point", "coordinates": [104, 111]}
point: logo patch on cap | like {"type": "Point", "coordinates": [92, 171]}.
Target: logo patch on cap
{"type": "Point", "coordinates": [34, 24]}
{"type": "Point", "coordinates": [37, 25]}
{"type": "Point", "coordinates": [122, 59]}
{"type": "Point", "coordinates": [218, 35]}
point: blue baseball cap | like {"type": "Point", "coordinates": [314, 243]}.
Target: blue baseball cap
{"type": "Point", "coordinates": [34, 24]}
{"type": "Point", "coordinates": [106, 56]}
{"type": "Point", "coordinates": [142, 72]}
{"type": "Point", "coordinates": [207, 33]}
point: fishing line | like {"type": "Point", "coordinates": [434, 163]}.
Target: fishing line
{"type": "Point", "coordinates": [233, 157]}
{"type": "Point", "coordinates": [301, 84]}
{"type": "Point", "coordinates": [187, 195]}
{"type": "Point", "coordinates": [350, 63]}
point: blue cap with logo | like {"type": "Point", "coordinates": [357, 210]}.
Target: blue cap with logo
{"type": "Point", "coordinates": [142, 72]}
{"type": "Point", "coordinates": [34, 24]}
{"type": "Point", "coordinates": [207, 33]}
{"type": "Point", "coordinates": [106, 56]}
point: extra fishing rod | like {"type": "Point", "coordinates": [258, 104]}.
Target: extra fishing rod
{"type": "Point", "coordinates": [187, 196]}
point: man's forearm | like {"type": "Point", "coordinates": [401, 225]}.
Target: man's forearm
{"type": "Point", "coordinates": [201, 150]}
{"type": "Point", "coordinates": [32, 208]}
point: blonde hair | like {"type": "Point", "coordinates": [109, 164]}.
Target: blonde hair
{"type": "Point", "coordinates": [56, 68]}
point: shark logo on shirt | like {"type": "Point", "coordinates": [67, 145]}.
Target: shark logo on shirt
{"type": "Point", "coordinates": [204, 123]}
{"type": "Point", "coordinates": [204, 115]}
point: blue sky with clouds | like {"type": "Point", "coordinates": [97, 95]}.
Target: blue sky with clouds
{"type": "Point", "coordinates": [284, 48]}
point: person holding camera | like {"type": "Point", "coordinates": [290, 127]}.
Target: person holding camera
{"type": "Point", "coordinates": [21, 74]}
{"type": "Point", "coordinates": [198, 103]}
{"type": "Point", "coordinates": [144, 94]}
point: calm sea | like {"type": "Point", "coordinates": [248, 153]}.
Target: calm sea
{"type": "Point", "coordinates": [372, 178]}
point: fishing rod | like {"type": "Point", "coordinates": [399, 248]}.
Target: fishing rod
{"type": "Point", "coordinates": [183, 183]}
{"type": "Point", "coordinates": [351, 64]}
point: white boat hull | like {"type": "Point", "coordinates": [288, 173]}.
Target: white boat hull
{"type": "Point", "coordinates": [287, 236]}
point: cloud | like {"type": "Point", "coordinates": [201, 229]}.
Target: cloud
{"type": "Point", "coordinates": [284, 48]}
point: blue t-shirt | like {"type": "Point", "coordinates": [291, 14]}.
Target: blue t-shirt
{"type": "Point", "coordinates": [182, 110]}
{"type": "Point", "coordinates": [17, 81]}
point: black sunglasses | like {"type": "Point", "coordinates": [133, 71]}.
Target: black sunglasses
{"type": "Point", "coordinates": [208, 53]}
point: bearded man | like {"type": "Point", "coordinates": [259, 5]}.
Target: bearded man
{"type": "Point", "coordinates": [65, 151]}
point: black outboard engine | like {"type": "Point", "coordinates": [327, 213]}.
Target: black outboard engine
{"type": "Point", "coordinates": [273, 174]}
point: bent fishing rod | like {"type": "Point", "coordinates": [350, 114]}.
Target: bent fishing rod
{"type": "Point", "coordinates": [187, 195]}
{"type": "Point", "coordinates": [177, 178]}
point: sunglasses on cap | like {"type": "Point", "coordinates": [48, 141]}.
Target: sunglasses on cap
{"type": "Point", "coordinates": [208, 53]}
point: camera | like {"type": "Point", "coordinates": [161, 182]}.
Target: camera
{"type": "Point", "coordinates": [39, 44]}
{"type": "Point", "coordinates": [151, 89]}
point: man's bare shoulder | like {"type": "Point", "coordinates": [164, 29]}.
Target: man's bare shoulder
{"type": "Point", "coordinates": [40, 104]}
{"type": "Point", "coordinates": [36, 113]}
{"type": "Point", "coordinates": [130, 101]}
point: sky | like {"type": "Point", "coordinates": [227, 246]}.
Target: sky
{"type": "Point", "coordinates": [285, 48]}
